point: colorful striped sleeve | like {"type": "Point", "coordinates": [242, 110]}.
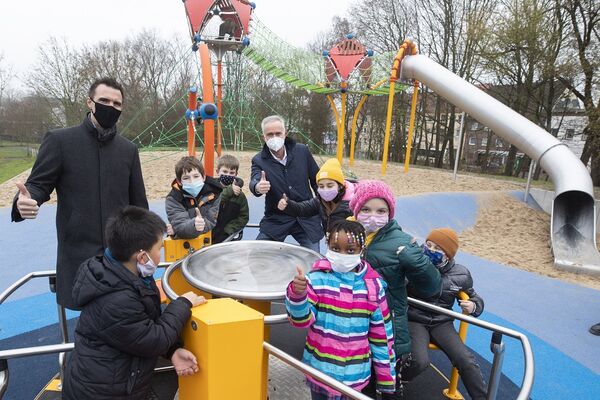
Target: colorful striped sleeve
{"type": "Point", "coordinates": [300, 307]}
{"type": "Point", "coordinates": [381, 342]}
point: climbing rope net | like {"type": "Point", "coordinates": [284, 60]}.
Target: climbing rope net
{"type": "Point", "coordinates": [270, 54]}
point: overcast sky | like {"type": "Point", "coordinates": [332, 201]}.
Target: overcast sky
{"type": "Point", "coordinates": [24, 24]}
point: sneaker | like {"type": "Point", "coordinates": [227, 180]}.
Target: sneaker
{"type": "Point", "coordinates": [595, 329]}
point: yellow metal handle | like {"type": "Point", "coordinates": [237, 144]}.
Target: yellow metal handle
{"type": "Point", "coordinates": [452, 391]}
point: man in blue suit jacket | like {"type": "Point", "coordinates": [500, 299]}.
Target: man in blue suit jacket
{"type": "Point", "coordinates": [285, 167]}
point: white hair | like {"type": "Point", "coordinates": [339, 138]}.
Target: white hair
{"type": "Point", "coordinates": [272, 118]}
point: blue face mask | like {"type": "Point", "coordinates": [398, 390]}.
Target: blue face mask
{"type": "Point", "coordinates": [193, 188]}
{"type": "Point", "coordinates": [438, 259]}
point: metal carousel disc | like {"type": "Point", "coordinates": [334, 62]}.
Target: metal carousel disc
{"type": "Point", "coordinates": [251, 269]}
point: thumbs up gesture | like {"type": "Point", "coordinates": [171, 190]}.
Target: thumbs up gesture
{"type": "Point", "coordinates": [27, 206]}
{"type": "Point", "coordinates": [170, 230]}
{"type": "Point", "coordinates": [236, 189]}
{"type": "Point", "coordinates": [283, 203]}
{"type": "Point", "coordinates": [263, 186]}
{"type": "Point", "coordinates": [199, 221]}
{"type": "Point", "coordinates": [299, 283]}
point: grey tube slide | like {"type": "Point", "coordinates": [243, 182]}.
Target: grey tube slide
{"type": "Point", "coordinates": [573, 220]}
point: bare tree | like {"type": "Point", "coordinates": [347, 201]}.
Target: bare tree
{"type": "Point", "coordinates": [451, 33]}
{"type": "Point", "coordinates": [5, 77]}
{"type": "Point", "coordinates": [384, 24]}
{"type": "Point", "coordinates": [60, 74]}
{"type": "Point", "coordinates": [155, 73]}
{"type": "Point", "coordinates": [527, 37]}
{"type": "Point", "coordinates": [584, 16]}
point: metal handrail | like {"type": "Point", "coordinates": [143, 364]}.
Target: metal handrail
{"type": "Point", "coordinates": [318, 375]}
{"type": "Point", "coordinates": [528, 374]}
{"type": "Point", "coordinates": [12, 288]}
{"type": "Point", "coordinates": [36, 350]}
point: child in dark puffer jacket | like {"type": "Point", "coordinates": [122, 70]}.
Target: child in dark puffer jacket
{"type": "Point", "coordinates": [121, 331]}
{"type": "Point", "coordinates": [441, 246]}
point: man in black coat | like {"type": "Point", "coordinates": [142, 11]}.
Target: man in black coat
{"type": "Point", "coordinates": [95, 172]}
{"type": "Point", "coordinates": [285, 167]}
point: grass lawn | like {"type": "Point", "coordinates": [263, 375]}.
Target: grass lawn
{"type": "Point", "coordinates": [13, 160]}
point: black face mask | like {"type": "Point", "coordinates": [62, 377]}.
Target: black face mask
{"type": "Point", "coordinates": [226, 180]}
{"type": "Point", "coordinates": [107, 116]}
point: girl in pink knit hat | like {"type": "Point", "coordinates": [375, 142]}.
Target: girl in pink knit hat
{"type": "Point", "coordinates": [395, 255]}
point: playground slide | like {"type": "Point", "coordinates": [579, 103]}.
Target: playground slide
{"type": "Point", "coordinates": [573, 220]}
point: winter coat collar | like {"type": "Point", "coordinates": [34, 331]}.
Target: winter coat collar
{"type": "Point", "coordinates": [103, 274]}
{"type": "Point", "coordinates": [102, 135]}
{"type": "Point", "coordinates": [449, 265]}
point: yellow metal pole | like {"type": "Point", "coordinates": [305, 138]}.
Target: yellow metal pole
{"type": "Point", "coordinates": [341, 129]}
{"type": "Point", "coordinates": [388, 126]}
{"type": "Point", "coordinates": [359, 107]}
{"type": "Point", "coordinates": [452, 391]}
{"type": "Point", "coordinates": [388, 119]}
{"type": "Point", "coordinates": [335, 111]}
{"type": "Point", "coordinates": [354, 121]}
{"type": "Point", "coordinates": [411, 125]}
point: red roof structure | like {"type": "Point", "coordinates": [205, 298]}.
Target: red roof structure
{"type": "Point", "coordinates": [199, 13]}
{"type": "Point", "coordinates": [344, 57]}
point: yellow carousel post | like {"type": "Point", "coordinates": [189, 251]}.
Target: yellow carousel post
{"type": "Point", "coordinates": [227, 360]}
{"type": "Point", "coordinates": [263, 307]}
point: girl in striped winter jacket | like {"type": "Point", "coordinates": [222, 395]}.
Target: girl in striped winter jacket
{"type": "Point", "coordinates": [342, 303]}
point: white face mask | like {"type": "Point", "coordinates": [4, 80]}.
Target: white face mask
{"type": "Point", "coordinates": [147, 269]}
{"type": "Point", "coordinates": [342, 262]}
{"type": "Point", "coordinates": [275, 143]}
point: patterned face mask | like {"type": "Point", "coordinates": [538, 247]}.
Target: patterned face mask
{"type": "Point", "coordinates": [226, 180]}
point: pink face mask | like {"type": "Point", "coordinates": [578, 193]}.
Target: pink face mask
{"type": "Point", "coordinates": [328, 194]}
{"type": "Point", "coordinates": [372, 222]}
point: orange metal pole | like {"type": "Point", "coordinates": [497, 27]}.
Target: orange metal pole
{"type": "Point", "coordinates": [208, 97]}
{"type": "Point", "coordinates": [219, 105]}
{"type": "Point", "coordinates": [192, 105]}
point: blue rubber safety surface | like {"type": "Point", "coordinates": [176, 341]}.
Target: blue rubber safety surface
{"type": "Point", "coordinates": [555, 315]}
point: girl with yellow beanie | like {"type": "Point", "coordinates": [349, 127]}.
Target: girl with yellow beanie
{"type": "Point", "coordinates": [331, 202]}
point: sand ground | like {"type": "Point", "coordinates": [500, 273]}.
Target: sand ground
{"type": "Point", "coordinates": [506, 231]}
